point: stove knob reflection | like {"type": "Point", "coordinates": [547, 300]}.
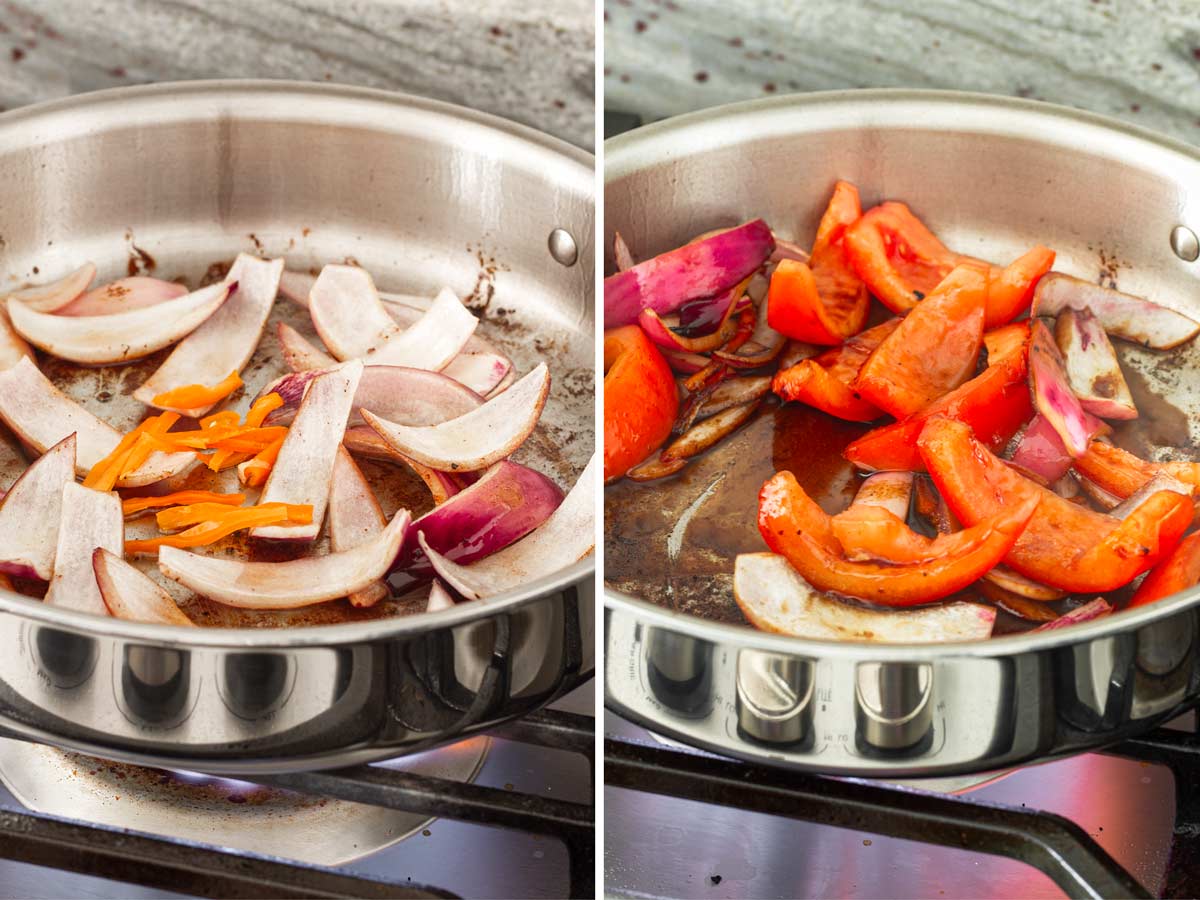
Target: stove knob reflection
{"type": "Point", "coordinates": [256, 684]}
{"type": "Point", "coordinates": [892, 707]}
{"type": "Point", "coordinates": [680, 671]}
{"type": "Point", "coordinates": [65, 658]}
{"type": "Point", "coordinates": [154, 683]}
{"type": "Point", "coordinates": [774, 696]}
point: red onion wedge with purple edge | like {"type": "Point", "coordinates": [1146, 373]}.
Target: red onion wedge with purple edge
{"type": "Point", "coordinates": [439, 598]}
{"type": "Point", "coordinates": [686, 363]}
{"type": "Point", "coordinates": [433, 341]}
{"type": "Point", "coordinates": [304, 466]}
{"type": "Point", "coordinates": [226, 341]}
{"type": "Point", "coordinates": [363, 440]}
{"type": "Point", "coordinates": [481, 437]}
{"type": "Point", "coordinates": [128, 593]}
{"type": "Point", "coordinates": [666, 333]}
{"type": "Point", "coordinates": [122, 295]}
{"type": "Point", "coordinates": [1121, 315]}
{"type": "Point", "coordinates": [41, 415]}
{"type": "Point", "coordinates": [764, 345]}
{"type": "Point", "coordinates": [299, 353]}
{"type": "Point", "coordinates": [564, 538]}
{"type": "Point", "coordinates": [505, 504]}
{"type": "Point", "coordinates": [704, 268]}
{"type": "Point", "coordinates": [1093, 609]}
{"type": "Point", "coordinates": [886, 490]}
{"type": "Point", "coordinates": [774, 597]}
{"type": "Point", "coordinates": [354, 518]}
{"type": "Point", "coordinates": [291, 584]}
{"type": "Point", "coordinates": [90, 519]}
{"type": "Point", "coordinates": [1093, 370]}
{"type": "Point", "coordinates": [47, 298]}
{"type": "Point", "coordinates": [404, 396]}
{"type": "Point", "coordinates": [30, 513]}
{"type": "Point", "coordinates": [1041, 452]}
{"type": "Point", "coordinates": [1052, 395]}
{"type": "Point", "coordinates": [346, 312]}
{"type": "Point", "coordinates": [120, 337]}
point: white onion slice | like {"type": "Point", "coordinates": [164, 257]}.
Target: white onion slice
{"type": "Point", "coordinates": [31, 510]}
{"type": "Point", "coordinates": [295, 286]}
{"type": "Point", "coordinates": [887, 490]}
{"type": "Point", "coordinates": [46, 298]}
{"type": "Point", "coordinates": [480, 372]}
{"type": "Point", "coordinates": [120, 337]}
{"type": "Point", "coordinates": [128, 593]}
{"type": "Point", "coordinates": [354, 518]}
{"type": "Point", "coordinates": [433, 341]}
{"type": "Point", "coordinates": [41, 415]}
{"type": "Point", "coordinates": [564, 538]}
{"type": "Point", "coordinates": [13, 347]}
{"type": "Point", "coordinates": [1123, 315]}
{"type": "Point", "coordinates": [439, 598]}
{"type": "Point", "coordinates": [1092, 367]}
{"type": "Point", "coordinates": [122, 295]}
{"type": "Point", "coordinates": [346, 312]}
{"type": "Point", "coordinates": [481, 437]}
{"type": "Point", "coordinates": [90, 519]}
{"type": "Point", "coordinates": [304, 467]}
{"type": "Point", "coordinates": [299, 353]}
{"type": "Point", "coordinates": [291, 584]}
{"type": "Point", "coordinates": [225, 342]}
{"type": "Point", "coordinates": [774, 597]}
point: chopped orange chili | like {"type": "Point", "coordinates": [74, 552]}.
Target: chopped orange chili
{"type": "Point", "coordinates": [254, 472]}
{"type": "Point", "coordinates": [226, 418]}
{"type": "Point", "coordinates": [198, 513]}
{"type": "Point", "coordinates": [209, 532]}
{"type": "Point", "coordinates": [140, 504]}
{"type": "Point", "coordinates": [194, 396]}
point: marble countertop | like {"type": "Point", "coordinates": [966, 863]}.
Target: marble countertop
{"type": "Point", "coordinates": [1138, 60]}
{"type": "Point", "coordinates": [532, 62]}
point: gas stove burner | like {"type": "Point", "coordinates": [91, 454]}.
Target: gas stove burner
{"type": "Point", "coordinates": [222, 812]}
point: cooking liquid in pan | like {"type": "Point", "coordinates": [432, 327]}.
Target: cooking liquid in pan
{"type": "Point", "coordinates": [673, 541]}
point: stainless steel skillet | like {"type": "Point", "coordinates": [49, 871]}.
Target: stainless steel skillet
{"type": "Point", "coordinates": [992, 177]}
{"type": "Point", "coordinates": [420, 193]}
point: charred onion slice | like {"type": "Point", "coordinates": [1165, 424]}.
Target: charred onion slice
{"type": "Point", "coordinates": [363, 440]}
{"type": "Point", "coordinates": [299, 353]}
{"type": "Point", "coordinates": [481, 437]}
{"type": "Point", "coordinates": [735, 392]}
{"type": "Point", "coordinates": [564, 538]}
{"type": "Point", "coordinates": [774, 597]}
{"type": "Point", "coordinates": [1123, 315]}
{"type": "Point", "coordinates": [1094, 609]}
{"type": "Point", "coordinates": [90, 520]}
{"type": "Point", "coordinates": [291, 584]}
{"type": "Point", "coordinates": [705, 434]}
{"type": "Point", "coordinates": [304, 467]}
{"type": "Point", "coordinates": [1092, 367]}
{"type": "Point", "coordinates": [654, 468]}
{"type": "Point", "coordinates": [1015, 604]}
{"type": "Point", "coordinates": [122, 295]}
{"type": "Point", "coordinates": [439, 598]}
{"type": "Point", "coordinates": [47, 298]}
{"type": "Point", "coordinates": [354, 518]}
{"type": "Point", "coordinates": [225, 342]}
{"type": "Point", "coordinates": [887, 490]}
{"type": "Point", "coordinates": [31, 510]}
{"type": "Point", "coordinates": [120, 337]}
{"type": "Point", "coordinates": [128, 593]}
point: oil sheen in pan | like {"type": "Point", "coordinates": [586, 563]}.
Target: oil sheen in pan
{"type": "Point", "coordinates": [690, 569]}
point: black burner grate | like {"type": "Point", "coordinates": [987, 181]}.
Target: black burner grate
{"type": "Point", "coordinates": [203, 871]}
{"type": "Point", "coordinates": [1056, 846]}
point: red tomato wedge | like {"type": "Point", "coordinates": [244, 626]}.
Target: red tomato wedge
{"type": "Point", "coordinates": [995, 404]}
{"type": "Point", "coordinates": [640, 399]}
{"type": "Point", "coordinates": [1177, 572]}
{"type": "Point", "coordinates": [796, 528]}
{"type": "Point", "coordinates": [934, 349]}
{"type": "Point", "coordinates": [823, 301]}
{"type": "Point", "coordinates": [1066, 545]}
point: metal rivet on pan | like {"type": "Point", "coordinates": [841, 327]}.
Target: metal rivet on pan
{"type": "Point", "coordinates": [562, 247]}
{"type": "Point", "coordinates": [1184, 243]}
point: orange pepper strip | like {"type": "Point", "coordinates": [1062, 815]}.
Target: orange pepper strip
{"type": "Point", "coordinates": [254, 472]}
{"type": "Point", "coordinates": [197, 395]}
{"type": "Point", "coordinates": [224, 459]}
{"type": "Point", "coordinates": [209, 532]}
{"type": "Point", "coordinates": [263, 407]}
{"type": "Point", "coordinates": [140, 452]}
{"type": "Point", "coordinates": [104, 474]}
{"type": "Point", "coordinates": [140, 504]}
{"type": "Point", "coordinates": [226, 418]}
{"type": "Point", "coordinates": [185, 516]}
{"type": "Point", "coordinates": [251, 440]}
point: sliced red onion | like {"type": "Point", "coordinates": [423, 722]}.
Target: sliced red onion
{"type": "Point", "coordinates": [1016, 605]}
{"type": "Point", "coordinates": [686, 363]}
{"type": "Point", "coordinates": [705, 268]}
{"type": "Point", "coordinates": [439, 598]}
{"type": "Point", "coordinates": [354, 518]}
{"type": "Point", "coordinates": [346, 312]}
{"type": "Point", "coordinates": [304, 467]}
{"type": "Point", "coordinates": [433, 342]}
{"type": "Point", "coordinates": [1123, 315]}
{"type": "Point", "coordinates": [13, 347]}
{"type": "Point", "coordinates": [654, 468]}
{"type": "Point", "coordinates": [764, 345]}
{"type": "Point", "coordinates": [41, 415]}
{"type": "Point", "coordinates": [295, 286]}
{"type": "Point", "coordinates": [774, 597]}
{"type": "Point", "coordinates": [89, 519]}
{"type": "Point", "coordinates": [1094, 609]}
{"type": "Point", "coordinates": [47, 298]}
{"type": "Point", "coordinates": [300, 354]}
{"type": "Point", "coordinates": [1102, 498]}
{"type": "Point", "coordinates": [1093, 370]}
{"type": "Point", "coordinates": [705, 434]}
{"type": "Point", "coordinates": [363, 440]}
{"type": "Point", "coordinates": [479, 372]}
{"type": "Point", "coordinates": [291, 584]}
{"type": "Point", "coordinates": [796, 352]}
{"type": "Point", "coordinates": [130, 594]}
{"type": "Point", "coordinates": [505, 383]}
{"type": "Point", "coordinates": [405, 396]}
{"type": "Point", "coordinates": [1161, 481]}
{"type": "Point", "coordinates": [565, 538]}
{"type": "Point", "coordinates": [887, 490]}
{"type": "Point", "coordinates": [123, 295]}
{"type": "Point", "coordinates": [1014, 582]}
{"type": "Point", "coordinates": [787, 250]}
{"type": "Point", "coordinates": [225, 342]}
{"type": "Point", "coordinates": [120, 337]}
{"type": "Point", "coordinates": [1041, 452]}
{"type": "Point", "coordinates": [477, 439]}
{"type": "Point", "coordinates": [504, 505]}
{"type": "Point", "coordinates": [621, 254]}
{"type": "Point", "coordinates": [31, 510]}
{"type": "Point", "coordinates": [1052, 395]}
{"type": "Point", "coordinates": [735, 392]}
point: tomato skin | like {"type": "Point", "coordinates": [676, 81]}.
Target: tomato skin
{"type": "Point", "coordinates": [789, 522]}
{"type": "Point", "coordinates": [1176, 572]}
{"type": "Point", "coordinates": [933, 351]}
{"type": "Point", "coordinates": [1065, 546]}
{"type": "Point", "coordinates": [640, 399]}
